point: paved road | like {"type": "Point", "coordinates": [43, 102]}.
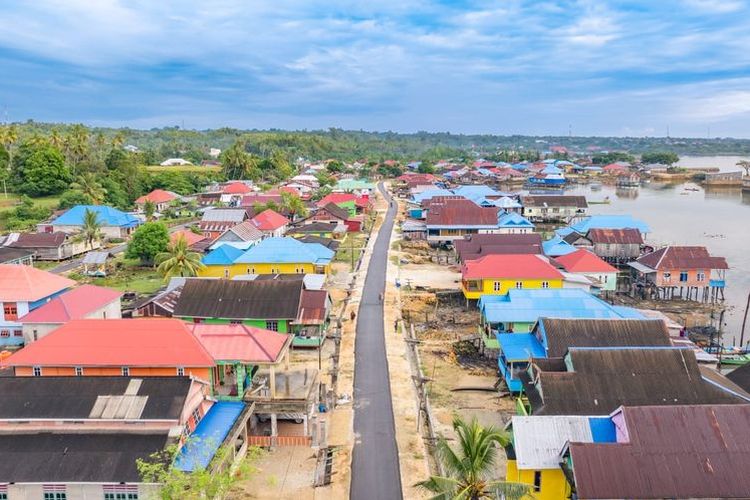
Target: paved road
{"type": "Point", "coordinates": [375, 467]}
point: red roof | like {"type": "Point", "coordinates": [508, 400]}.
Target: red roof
{"type": "Point", "coordinates": [241, 343]}
{"type": "Point", "coordinates": [28, 284]}
{"type": "Point", "coordinates": [73, 304]}
{"type": "Point", "coordinates": [251, 199]}
{"type": "Point", "coordinates": [236, 188]}
{"type": "Point", "coordinates": [337, 198]}
{"type": "Point", "coordinates": [151, 342]}
{"type": "Point", "coordinates": [525, 266]}
{"type": "Point", "coordinates": [583, 261]}
{"type": "Point", "coordinates": [362, 202]}
{"type": "Point", "coordinates": [190, 237]}
{"type": "Point", "coordinates": [157, 196]}
{"type": "Point", "coordinates": [459, 212]}
{"type": "Point", "coordinates": [671, 258]}
{"type": "Point", "coordinates": [269, 220]}
{"type": "Point", "coordinates": [615, 167]}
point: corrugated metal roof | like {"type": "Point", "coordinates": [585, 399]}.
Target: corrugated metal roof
{"type": "Point", "coordinates": [554, 201]}
{"type": "Point", "coordinates": [610, 222]}
{"type": "Point", "coordinates": [39, 240]}
{"type": "Point", "coordinates": [286, 250]}
{"type": "Point", "coordinates": [539, 440]}
{"type": "Point", "coordinates": [519, 346]}
{"type": "Point", "coordinates": [510, 267]}
{"type": "Point", "coordinates": [235, 215]}
{"type": "Point", "coordinates": [514, 220]}
{"type": "Point", "coordinates": [627, 236]}
{"type": "Point", "coordinates": [208, 436]}
{"type": "Point", "coordinates": [107, 216]}
{"type": "Point", "coordinates": [675, 258]}
{"type": "Point", "coordinates": [460, 212]}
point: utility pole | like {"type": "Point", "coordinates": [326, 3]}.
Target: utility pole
{"type": "Point", "coordinates": [744, 322]}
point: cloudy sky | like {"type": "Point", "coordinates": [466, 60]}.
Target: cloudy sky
{"type": "Point", "coordinates": [527, 67]}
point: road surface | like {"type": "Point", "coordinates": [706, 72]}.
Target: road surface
{"type": "Point", "coordinates": [375, 467]}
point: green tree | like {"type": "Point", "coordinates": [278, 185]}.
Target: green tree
{"type": "Point", "coordinates": [149, 208]}
{"type": "Point", "coordinates": [293, 204]}
{"type": "Point", "coordinates": [4, 169]}
{"type": "Point", "coordinates": [148, 241]}
{"type": "Point", "coordinates": [88, 185]}
{"type": "Point", "coordinates": [236, 163]}
{"type": "Point", "coordinates": [426, 168]}
{"type": "Point", "coordinates": [325, 179]}
{"type": "Point", "coordinates": [611, 157]}
{"type": "Point", "coordinates": [40, 170]}
{"type": "Point", "coordinates": [661, 157]}
{"type": "Point", "coordinates": [91, 230]}
{"type": "Point", "coordinates": [72, 198]}
{"type": "Point", "coordinates": [468, 470]}
{"type": "Point", "coordinates": [77, 145]}
{"type": "Point", "coordinates": [335, 166]}
{"type": "Point", "coordinates": [178, 260]}
{"type": "Point", "coordinates": [269, 205]}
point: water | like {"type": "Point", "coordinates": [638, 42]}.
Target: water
{"type": "Point", "coordinates": [723, 163]}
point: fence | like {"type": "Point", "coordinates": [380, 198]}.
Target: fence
{"type": "Point", "coordinates": [268, 441]}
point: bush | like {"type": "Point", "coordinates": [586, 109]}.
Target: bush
{"type": "Point", "coordinates": [72, 198]}
{"type": "Point", "coordinates": [147, 242]}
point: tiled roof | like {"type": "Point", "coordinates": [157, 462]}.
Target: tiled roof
{"type": "Point", "coordinates": [116, 342]}
{"type": "Point", "coordinates": [242, 343]}
{"type": "Point", "coordinates": [157, 196]}
{"type": "Point", "coordinates": [459, 212]}
{"type": "Point", "coordinates": [510, 266]}
{"type": "Point", "coordinates": [28, 284]}
{"type": "Point", "coordinates": [107, 216]}
{"type": "Point", "coordinates": [269, 220]}
{"type": "Point", "coordinates": [628, 236]}
{"type": "Point", "coordinates": [583, 261]}
{"type": "Point", "coordinates": [73, 304]}
{"type": "Point", "coordinates": [682, 258]}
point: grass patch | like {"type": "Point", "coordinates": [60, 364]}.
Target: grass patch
{"type": "Point", "coordinates": [13, 199]}
{"type": "Point", "coordinates": [352, 244]}
{"type": "Point", "coordinates": [128, 276]}
{"type": "Point", "coordinates": [45, 265]}
{"type": "Point", "coordinates": [182, 168]}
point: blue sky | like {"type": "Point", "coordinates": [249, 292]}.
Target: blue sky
{"type": "Point", "coordinates": [507, 67]}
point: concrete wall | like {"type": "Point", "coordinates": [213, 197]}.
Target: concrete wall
{"type": "Point", "coordinates": [22, 491]}
{"type": "Point", "coordinates": [487, 286]}
{"type": "Point", "coordinates": [553, 484]}
{"type": "Point", "coordinates": [113, 371]}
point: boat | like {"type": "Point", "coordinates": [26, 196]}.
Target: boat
{"type": "Point", "coordinates": [552, 180]}
{"type": "Point", "coordinates": [605, 201]}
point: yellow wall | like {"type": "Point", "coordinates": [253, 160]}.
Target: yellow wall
{"type": "Point", "coordinates": [240, 269]}
{"type": "Point", "coordinates": [553, 485]}
{"type": "Point", "coordinates": [488, 286]}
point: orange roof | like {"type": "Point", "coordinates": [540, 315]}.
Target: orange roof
{"type": "Point", "coordinates": [236, 188]}
{"type": "Point", "coordinates": [28, 284]}
{"type": "Point", "coordinates": [269, 220]}
{"type": "Point", "coordinates": [516, 266]}
{"type": "Point", "coordinates": [73, 304]}
{"type": "Point", "coordinates": [241, 342]}
{"type": "Point", "coordinates": [149, 342]}
{"type": "Point", "coordinates": [190, 237]}
{"type": "Point", "coordinates": [583, 261]}
{"type": "Point", "coordinates": [157, 196]}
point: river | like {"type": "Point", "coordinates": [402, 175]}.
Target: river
{"type": "Point", "coordinates": [718, 219]}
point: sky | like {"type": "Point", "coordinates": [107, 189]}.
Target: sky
{"type": "Point", "coordinates": [623, 68]}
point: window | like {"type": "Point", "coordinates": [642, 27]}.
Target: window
{"type": "Point", "coordinates": [667, 277]}
{"type": "Point", "coordinates": [252, 270]}
{"type": "Point", "coordinates": [125, 371]}
{"type": "Point", "coordinates": [54, 492]}
{"type": "Point", "coordinates": [4, 333]}
{"type": "Point", "coordinates": [537, 480]}
{"type": "Point", "coordinates": [104, 314]}
{"type": "Point", "coordinates": [79, 371]}
{"type": "Point", "coordinates": [606, 278]}
{"type": "Point", "coordinates": [180, 371]}
{"type": "Point", "coordinates": [17, 333]}
{"type": "Point", "coordinates": [545, 284]}
{"type": "Point", "coordinates": [197, 320]}
{"type": "Point", "coordinates": [272, 325]}
{"type": "Point", "coordinates": [700, 276]}
{"type": "Point", "coordinates": [120, 492]}
{"type": "Point", "coordinates": [197, 416]}
{"type": "Point", "coordinates": [37, 370]}
{"type": "Point", "coordinates": [683, 276]}
{"type": "Point", "coordinates": [496, 287]}
{"type": "Point", "coordinates": [10, 310]}
{"type": "Point", "coordinates": [226, 273]}
{"type": "Point", "coordinates": [36, 334]}
{"type": "Point", "coordinates": [519, 285]}
{"type": "Point", "coordinates": [235, 321]}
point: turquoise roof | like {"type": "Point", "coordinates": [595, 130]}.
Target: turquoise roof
{"type": "Point", "coordinates": [286, 250]}
{"type": "Point", "coordinates": [225, 255]}
{"type": "Point", "coordinates": [520, 346]}
{"type": "Point", "coordinates": [556, 246]}
{"type": "Point", "coordinates": [609, 222]}
{"type": "Point", "coordinates": [527, 306]}
{"type": "Point", "coordinates": [354, 184]}
{"type": "Point", "coordinates": [512, 219]}
{"type": "Point", "coordinates": [107, 216]}
{"type": "Point", "coordinates": [210, 433]}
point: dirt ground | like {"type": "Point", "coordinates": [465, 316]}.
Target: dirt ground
{"type": "Point", "coordinates": [430, 275]}
{"type": "Point", "coordinates": [287, 472]}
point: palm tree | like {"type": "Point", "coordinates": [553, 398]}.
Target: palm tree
{"type": "Point", "coordinates": [91, 230]}
{"type": "Point", "coordinates": [77, 145]}
{"type": "Point", "coordinates": [178, 260]}
{"type": "Point", "coordinates": [293, 204]}
{"type": "Point", "coordinates": [468, 471]}
{"type": "Point", "coordinates": [88, 185]}
{"type": "Point", "coordinates": [745, 164]}
{"type": "Point", "coordinates": [148, 210]}
{"type": "Point", "coordinates": [56, 139]}
{"type": "Point", "coordinates": [269, 205]}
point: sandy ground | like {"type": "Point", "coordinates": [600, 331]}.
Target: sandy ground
{"type": "Point", "coordinates": [287, 472]}
{"type": "Point", "coordinates": [430, 275]}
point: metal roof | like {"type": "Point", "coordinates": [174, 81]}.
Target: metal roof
{"type": "Point", "coordinates": [554, 201]}
{"type": "Point", "coordinates": [682, 257]}
{"type": "Point", "coordinates": [95, 258]}
{"type": "Point", "coordinates": [520, 346]}
{"type": "Point", "coordinates": [627, 236]}
{"type": "Point", "coordinates": [107, 216]}
{"type": "Point", "coordinates": [208, 436]}
{"type": "Point", "coordinates": [286, 250]}
{"type": "Point", "coordinates": [539, 440]}
{"type": "Point", "coordinates": [224, 215]}
{"type": "Point", "coordinates": [610, 222]}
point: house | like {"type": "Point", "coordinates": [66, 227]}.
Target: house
{"type": "Point", "coordinates": [252, 199]}
{"type": "Point", "coordinates": [553, 208]}
{"type": "Point", "coordinates": [279, 305]}
{"type": "Point", "coordinates": [616, 246]}
{"type": "Point", "coordinates": [111, 347]}
{"type": "Point", "coordinates": [170, 162]}
{"type": "Point", "coordinates": [584, 263]}
{"type": "Point", "coordinates": [330, 212]}
{"type": "Point", "coordinates": [22, 290]}
{"type": "Point", "coordinates": [328, 230]}
{"type": "Point", "coordinates": [159, 304]}
{"type": "Point", "coordinates": [216, 221]}
{"type": "Point", "coordinates": [95, 263]}
{"type": "Point", "coordinates": [474, 246]}
{"type": "Point", "coordinates": [346, 201]}
{"type": "Point", "coordinates": [552, 337]}
{"type": "Point", "coordinates": [83, 302]}
{"type": "Point", "coordinates": [361, 186]}
{"type": "Point", "coordinates": [557, 246]}
{"type": "Point", "coordinates": [449, 219]}
{"type": "Point", "coordinates": [243, 236]}
{"type": "Point", "coordinates": [536, 444]}
{"type": "Point", "coordinates": [272, 224]}
{"type": "Point", "coordinates": [114, 223]}
{"type": "Point", "coordinates": [51, 246]}
{"type": "Point", "coordinates": [586, 224]}
{"type": "Point", "coordinates": [271, 256]}
{"type": "Point", "coordinates": [10, 255]}
{"type": "Point", "coordinates": [690, 268]}
{"type": "Point", "coordinates": [513, 223]}
{"type": "Point", "coordinates": [592, 381]}
{"type": "Point", "coordinates": [195, 241]}
{"type": "Point", "coordinates": [326, 242]}
{"type": "Point", "coordinates": [232, 192]}
{"type": "Point", "coordinates": [670, 451]}
{"type": "Point", "coordinates": [496, 274]}
{"type": "Point", "coordinates": [159, 197]}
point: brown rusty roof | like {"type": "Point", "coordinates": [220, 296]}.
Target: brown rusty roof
{"type": "Point", "coordinates": [627, 236]}
{"type": "Point", "coordinates": [673, 452]}
{"type": "Point", "coordinates": [314, 307]}
{"type": "Point", "coordinates": [676, 258]}
{"type": "Point", "coordinates": [554, 201]}
{"type": "Point", "coordinates": [565, 333]}
{"type": "Point", "coordinates": [604, 379]}
{"type": "Point", "coordinates": [476, 245]}
{"type": "Point", "coordinates": [460, 212]}
{"type": "Point", "coordinates": [336, 211]}
{"type": "Point", "coordinates": [39, 240]}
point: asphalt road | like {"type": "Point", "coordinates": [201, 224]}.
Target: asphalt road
{"type": "Point", "coordinates": [375, 467]}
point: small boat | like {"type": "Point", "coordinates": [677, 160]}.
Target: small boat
{"type": "Point", "coordinates": [552, 180]}
{"type": "Point", "coordinates": [691, 189]}
{"type": "Point", "coordinates": [735, 359]}
{"type": "Point", "coordinates": [605, 201]}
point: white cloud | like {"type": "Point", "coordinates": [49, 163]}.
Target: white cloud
{"type": "Point", "coordinates": [715, 6]}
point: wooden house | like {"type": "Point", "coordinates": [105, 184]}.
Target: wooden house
{"type": "Point", "coordinates": [553, 208]}
{"type": "Point", "coordinates": [51, 246]}
{"type": "Point", "coordinates": [496, 274]}
{"type": "Point", "coordinates": [616, 246]}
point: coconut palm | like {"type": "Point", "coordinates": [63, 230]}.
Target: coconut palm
{"type": "Point", "coordinates": [149, 207]}
{"type": "Point", "coordinates": [469, 469]}
{"type": "Point", "coordinates": [88, 185]}
{"type": "Point", "coordinates": [293, 204]}
{"type": "Point", "coordinates": [178, 260]}
{"type": "Point", "coordinates": [56, 139]}
{"type": "Point", "coordinates": [91, 230]}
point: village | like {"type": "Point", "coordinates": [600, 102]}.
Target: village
{"type": "Point", "coordinates": [498, 298]}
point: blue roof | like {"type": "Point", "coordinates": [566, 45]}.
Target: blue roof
{"type": "Point", "coordinates": [477, 194]}
{"type": "Point", "coordinates": [428, 194]}
{"type": "Point", "coordinates": [513, 219]}
{"type": "Point", "coordinates": [225, 255]}
{"type": "Point", "coordinates": [520, 346]}
{"type": "Point", "coordinates": [551, 169]}
{"type": "Point", "coordinates": [610, 222]}
{"type": "Point", "coordinates": [286, 250]}
{"type": "Point", "coordinates": [527, 306]}
{"type": "Point", "coordinates": [208, 436]}
{"type": "Point", "coordinates": [507, 202]}
{"type": "Point", "coordinates": [564, 231]}
{"type": "Point", "coordinates": [107, 216]}
{"type": "Point", "coordinates": [556, 246]}
{"type": "Point", "coordinates": [602, 430]}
